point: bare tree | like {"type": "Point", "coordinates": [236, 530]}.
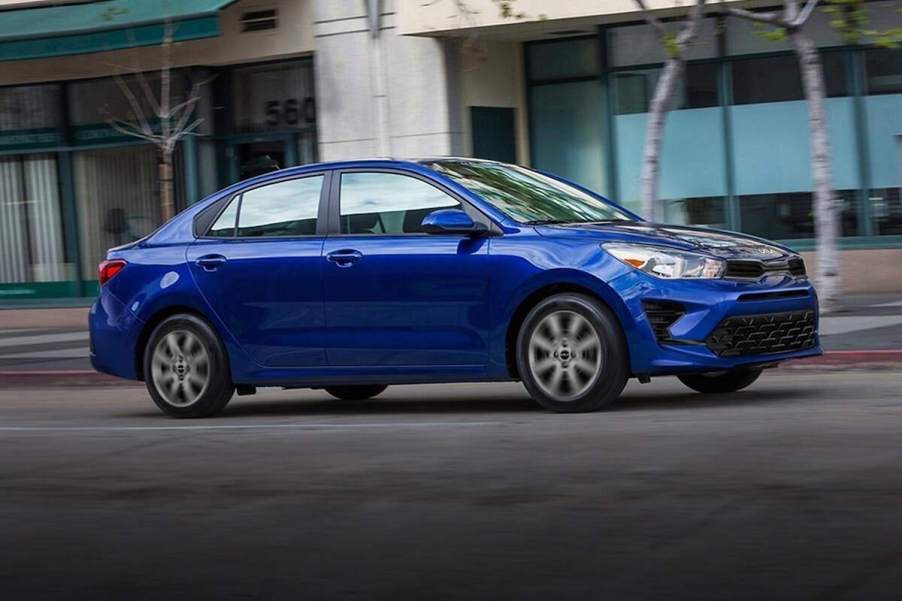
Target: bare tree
{"type": "Point", "coordinates": [161, 119]}
{"type": "Point", "coordinates": [676, 44]}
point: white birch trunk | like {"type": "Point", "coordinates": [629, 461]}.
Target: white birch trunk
{"type": "Point", "coordinates": [167, 189]}
{"type": "Point", "coordinates": [654, 135]}
{"type": "Point", "coordinates": [826, 205]}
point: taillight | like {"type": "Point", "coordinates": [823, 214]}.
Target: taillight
{"type": "Point", "coordinates": [108, 270]}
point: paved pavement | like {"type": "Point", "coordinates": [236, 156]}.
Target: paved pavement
{"type": "Point", "coordinates": [789, 490]}
{"type": "Point", "coordinates": [869, 322]}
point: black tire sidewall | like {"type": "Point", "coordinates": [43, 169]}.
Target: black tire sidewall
{"type": "Point", "coordinates": [356, 392]}
{"type": "Point", "coordinates": [731, 381]}
{"type": "Point", "coordinates": [614, 372]}
{"type": "Point", "coordinates": [220, 389]}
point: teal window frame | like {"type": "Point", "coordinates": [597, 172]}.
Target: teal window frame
{"type": "Point", "coordinates": [855, 82]}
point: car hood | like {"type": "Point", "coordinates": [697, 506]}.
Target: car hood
{"type": "Point", "coordinates": [726, 245]}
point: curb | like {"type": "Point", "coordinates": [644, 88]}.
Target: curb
{"type": "Point", "coordinates": [852, 359]}
{"type": "Point", "coordinates": [831, 360]}
{"type": "Point", "coordinates": [60, 377]}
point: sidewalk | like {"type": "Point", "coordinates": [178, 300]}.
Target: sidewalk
{"type": "Point", "coordinates": [42, 344]}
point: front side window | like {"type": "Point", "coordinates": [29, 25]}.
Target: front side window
{"type": "Point", "coordinates": [286, 208]}
{"type": "Point", "coordinates": [526, 195]}
{"type": "Point", "coordinates": [388, 203]}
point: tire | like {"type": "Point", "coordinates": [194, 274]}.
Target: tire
{"type": "Point", "coordinates": [721, 382]}
{"type": "Point", "coordinates": [356, 393]}
{"type": "Point", "coordinates": [571, 354]}
{"type": "Point", "coordinates": [186, 368]}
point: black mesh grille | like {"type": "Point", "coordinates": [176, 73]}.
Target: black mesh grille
{"type": "Point", "coordinates": [763, 334]}
{"type": "Point", "coordinates": [744, 269]}
{"type": "Point", "coordinates": [661, 315]}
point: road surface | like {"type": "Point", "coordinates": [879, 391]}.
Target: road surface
{"type": "Point", "coordinates": [790, 490]}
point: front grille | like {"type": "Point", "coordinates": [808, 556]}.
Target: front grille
{"type": "Point", "coordinates": [764, 334]}
{"type": "Point", "coordinates": [746, 269]}
{"type": "Point", "coordinates": [661, 315]}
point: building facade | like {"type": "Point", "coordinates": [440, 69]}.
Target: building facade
{"type": "Point", "coordinates": [562, 88]}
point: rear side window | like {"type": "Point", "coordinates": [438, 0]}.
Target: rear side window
{"type": "Point", "coordinates": [388, 203]}
{"type": "Point", "coordinates": [225, 223]}
{"type": "Point", "coordinates": [286, 208]}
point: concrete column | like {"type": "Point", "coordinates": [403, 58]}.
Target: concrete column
{"type": "Point", "coordinates": [388, 95]}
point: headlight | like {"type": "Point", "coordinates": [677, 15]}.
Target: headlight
{"type": "Point", "coordinates": [665, 262]}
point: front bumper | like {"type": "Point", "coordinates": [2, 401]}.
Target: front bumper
{"type": "Point", "coordinates": [723, 323]}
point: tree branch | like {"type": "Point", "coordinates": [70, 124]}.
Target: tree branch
{"type": "Point", "coordinates": [806, 12]}
{"type": "Point", "coordinates": [130, 129]}
{"type": "Point", "coordinates": [136, 106]}
{"type": "Point", "coordinates": [652, 19]}
{"type": "Point", "coordinates": [687, 34]}
{"type": "Point", "coordinates": [766, 18]}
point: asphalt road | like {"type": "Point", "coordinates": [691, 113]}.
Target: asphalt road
{"type": "Point", "coordinates": [790, 490]}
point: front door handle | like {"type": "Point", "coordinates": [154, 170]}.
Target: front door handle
{"type": "Point", "coordinates": [345, 257]}
{"type": "Point", "coordinates": [210, 262]}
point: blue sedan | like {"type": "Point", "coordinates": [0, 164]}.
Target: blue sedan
{"type": "Point", "coordinates": [359, 275]}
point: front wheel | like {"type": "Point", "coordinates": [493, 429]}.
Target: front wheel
{"type": "Point", "coordinates": [186, 368]}
{"type": "Point", "coordinates": [721, 381]}
{"type": "Point", "coordinates": [356, 393]}
{"type": "Point", "coordinates": [571, 354]}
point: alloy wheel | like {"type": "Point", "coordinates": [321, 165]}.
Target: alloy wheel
{"type": "Point", "coordinates": [565, 355]}
{"type": "Point", "coordinates": [180, 368]}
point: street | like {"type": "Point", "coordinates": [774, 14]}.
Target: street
{"type": "Point", "coordinates": [789, 490]}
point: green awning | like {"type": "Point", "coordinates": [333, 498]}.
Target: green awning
{"type": "Point", "coordinates": [83, 28]}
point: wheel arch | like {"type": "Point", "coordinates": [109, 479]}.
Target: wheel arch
{"type": "Point", "coordinates": [159, 317]}
{"type": "Point", "coordinates": [538, 295]}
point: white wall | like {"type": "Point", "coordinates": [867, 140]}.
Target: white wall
{"type": "Point", "coordinates": [390, 95]}
{"type": "Point", "coordinates": [491, 74]}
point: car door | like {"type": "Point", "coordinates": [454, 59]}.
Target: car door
{"type": "Point", "coordinates": [259, 267]}
{"type": "Point", "coordinates": [395, 295]}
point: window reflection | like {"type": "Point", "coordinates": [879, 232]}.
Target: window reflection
{"type": "Point", "coordinates": [388, 203]}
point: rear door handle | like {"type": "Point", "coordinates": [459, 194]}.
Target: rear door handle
{"type": "Point", "coordinates": [345, 257]}
{"type": "Point", "coordinates": [210, 262]}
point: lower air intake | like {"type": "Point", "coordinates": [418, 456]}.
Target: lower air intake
{"type": "Point", "coordinates": [764, 334]}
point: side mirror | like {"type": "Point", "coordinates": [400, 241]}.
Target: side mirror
{"type": "Point", "coordinates": [450, 221]}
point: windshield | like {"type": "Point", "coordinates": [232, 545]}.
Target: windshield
{"type": "Point", "coordinates": [526, 195]}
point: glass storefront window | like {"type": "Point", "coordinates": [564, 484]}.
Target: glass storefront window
{"type": "Point", "coordinates": [568, 135]}
{"type": "Point", "coordinates": [92, 103]}
{"type": "Point", "coordinates": [777, 78]}
{"type": "Point", "coordinates": [708, 212]}
{"type": "Point", "coordinates": [563, 59]}
{"type": "Point", "coordinates": [640, 44]}
{"type": "Point", "coordinates": [745, 37]}
{"type": "Point", "coordinates": [29, 117]}
{"type": "Point", "coordinates": [886, 208]}
{"type": "Point", "coordinates": [274, 97]}
{"type": "Point", "coordinates": [118, 197]}
{"type": "Point", "coordinates": [884, 70]}
{"type": "Point", "coordinates": [790, 216]}
{"type": "Point", "coordinates": [634, 89]}
{"type": "Point", "coordinates": [32, 243]}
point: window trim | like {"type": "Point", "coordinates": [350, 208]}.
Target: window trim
{"type": "Point", "coordinates": [335, 203]}
{"type": "Point", "coordinates": [238, 196]}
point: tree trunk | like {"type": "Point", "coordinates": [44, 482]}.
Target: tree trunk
{"type": "Point", "coordinates": [654, 135]}
{"type": "Point", "coordinates": [167, 189]}
{"type": "Point", "coordinates": [826, 205]}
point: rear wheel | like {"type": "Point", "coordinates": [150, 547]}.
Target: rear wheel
{"type": "Point", "coordinates": [186, 368]}
{"type": "Point", "coordinates": [356, 393]}
{"type": "Point", "coordinates": [721, 381]}
{"type": "Point", "coordinates": [571, 355]}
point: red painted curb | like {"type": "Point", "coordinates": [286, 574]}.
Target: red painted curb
{"type": "Point", "coordinates": [851, 358]}
{"type": "Point", "coordinates": [60, 377]}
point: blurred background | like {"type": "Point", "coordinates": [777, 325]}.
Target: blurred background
{"type": "Point", "coordinates": [115, 113]}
